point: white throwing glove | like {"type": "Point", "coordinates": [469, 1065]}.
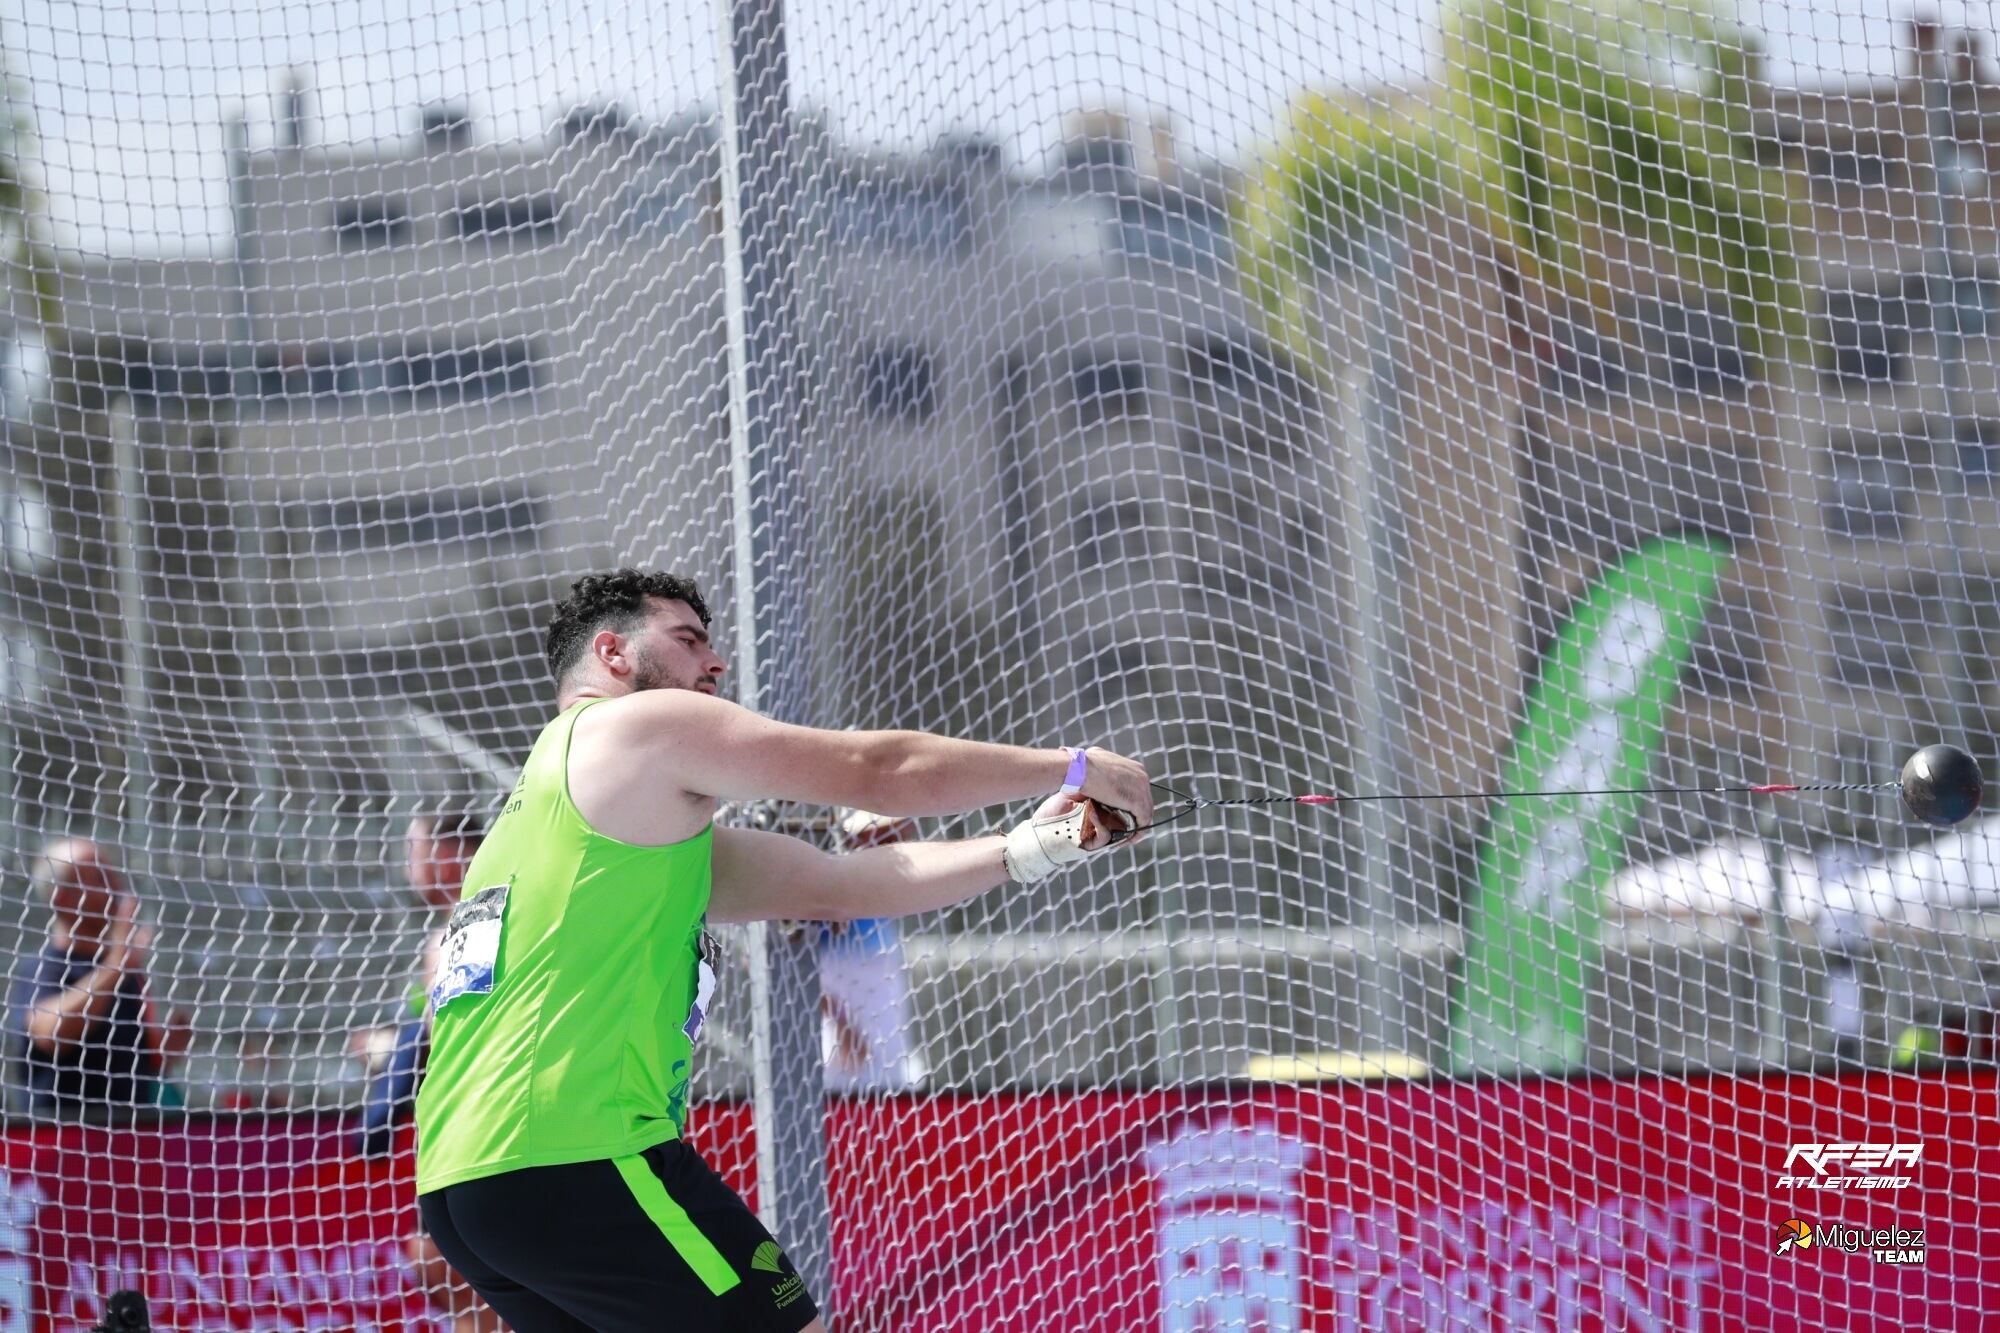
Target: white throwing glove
{"type": "Point", "coordinates": [1052, 838]}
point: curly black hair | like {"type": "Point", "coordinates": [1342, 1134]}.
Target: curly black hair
{"type": "Point", "coordinates": [614, 601]}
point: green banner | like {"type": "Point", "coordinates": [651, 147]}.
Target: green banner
{"type": "Point", "coordinates": [1593, 721]}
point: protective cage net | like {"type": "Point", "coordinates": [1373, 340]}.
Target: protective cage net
{"type": "Point", "coordinates": [1519, 394]}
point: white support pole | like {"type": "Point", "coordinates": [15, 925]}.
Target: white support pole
{"type": "Point", "coordinates": [132, 530]}
{"type": "Point", "coordinates": [768, 452]}
{"type": "Point", "coordinates": [252, 635]}
{"type": "Point", "coordinates": [1371, 494]}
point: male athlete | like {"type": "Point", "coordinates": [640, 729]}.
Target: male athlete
{"type": "Point", "coordinates": [550, 1166]}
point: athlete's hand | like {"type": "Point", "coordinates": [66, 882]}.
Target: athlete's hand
{"type": "Point", "coordinates": [1120, 787]}
{"type": "Point", "coordinates": [123, 948]}
{"type": "Point", "coordinates": [1098, 825]}
{"type": "Point", "coordinates": [176, 1036]}
{"type": "Point", "coordinates": [1064, 829]}
{"type": "Point", "coordinates": [129, 956]}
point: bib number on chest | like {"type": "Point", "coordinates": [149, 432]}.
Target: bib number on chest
{"type": "Point", "coordinates": [471, 950]}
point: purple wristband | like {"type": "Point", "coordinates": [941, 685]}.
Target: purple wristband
{"type": "Point", "coordinates": [1079, 768]}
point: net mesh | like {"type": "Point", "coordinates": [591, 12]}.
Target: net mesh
{"type": "Point", "coordinates": [1524, 393]}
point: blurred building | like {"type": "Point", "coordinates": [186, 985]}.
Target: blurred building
{"type": "Point", "coordinates": [453, 373]}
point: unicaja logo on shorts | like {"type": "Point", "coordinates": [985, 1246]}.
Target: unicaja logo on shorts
{"type": "Point", "coordinates": [1849, 1166]}
{"type": "Point", "coordinates": [1885, 1245]}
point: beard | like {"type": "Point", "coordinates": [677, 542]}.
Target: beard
{"type": "Point", "coordinates": [650, 675]}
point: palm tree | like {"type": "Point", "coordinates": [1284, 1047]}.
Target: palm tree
{"type": "Point", "coordinates": [1566, 130]}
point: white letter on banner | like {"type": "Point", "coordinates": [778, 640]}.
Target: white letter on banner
{"type": "Point", "coordinates": [1556, 859]}
{"type": "Point", "coordinates": [1588, 761]}
{"type": "Point", "coordinates": [1633, 635]}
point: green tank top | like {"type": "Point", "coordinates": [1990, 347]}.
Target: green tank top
{"type": "Point", "coordinates": [569, 991]}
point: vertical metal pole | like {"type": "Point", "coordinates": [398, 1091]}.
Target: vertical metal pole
{"type": "Point", "coordinates": [10, 767]}
{"type": "Point", "coordinates": [1371, 488]}
{"type": "Point", "coordinates": [252, 639]}
{"type": "Point", "coordinates": [134, 530]}
{"type": "Point", "coordinates": [1941, 254]}
{"type": "Point", "coordinates": [1789, 551]}
{"type": "Point", "coordinates": [760, 196]}
{"type": "Point", "coordinates": [1772, 1030]}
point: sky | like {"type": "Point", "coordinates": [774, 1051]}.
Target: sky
{"type": "Point", "coordinates": [129, 101]}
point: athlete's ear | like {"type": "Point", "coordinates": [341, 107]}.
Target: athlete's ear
{"type": "Point", "coordinates": [609, 648]}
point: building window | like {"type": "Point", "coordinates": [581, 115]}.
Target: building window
{"type": "Point", "coordinates": [899, 383]}
{"type": "Point", "coordinates": [665, 207]}
{"type": "Point", "coordinates": [430, 376]}
{"type": "Point", "coordinates": [1254, 544]}
{"type": "Point", "coordinates": [432, 518]}
{"type": "Point", "coordinates": [1179, 233]}
{"type": "Point", "coordinates": [24, 372]}
{"type": "Point", "coordinates": [300, 377]}
{"type": "Point", "coordinates": [179, 375]}
{"type": "Point", "coordinates": [1730, 656]}
{"type": "Point", "coordinates": [1668, 345]}
{"type": "Point", "coordinates": [902, 218]}
{"type": "Point", "coordinates": [1098, 150]}
{"type": "Point", "coordinates": [305, 371]}
{"type": "Point", "coordinates": [1581, 362]}
{"type": "Point", "coordinates": [1971, 309]}
{"type": "Point", "coordinates": [1875, 635]}
{"type": "Point", "coordinates": [1107, 388]}
{"type": "Point", "coordinates": [1233, 369]}
{"type": "Point", "coordinates": [1866, 336]}
{"type": "Point", "coordinates": [1867, 497]}
{"type": "Point", "coordinates": [23, 673]}
{"type": "Point", "coordinates": [1846, 166]}
{"type": "Point", "coordinates": [1112, 674]}
{"type": "Point", "coordinates": [534, 219]}
{"type": "Point", "coordinates": [1108, 530]}
{"type": "Point", "coordinates": [26, 534]}
{"type": "Point", "coordinates": [1979, 452]}
{"type": "Point", "coordinates": [1696, 347]}
{"type": "Point", "coordinates": [371, 224]}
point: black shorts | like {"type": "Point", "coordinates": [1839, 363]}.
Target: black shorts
{"type": "Point", "coordinates": [641, 1243]}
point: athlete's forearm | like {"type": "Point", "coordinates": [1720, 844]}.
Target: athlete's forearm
{"type": "Point", "coordinates": [921, 774]}
{"type": "Point", "coordinates": [909, 877]}
{"type": "Point", "coordinates": [759, 876]}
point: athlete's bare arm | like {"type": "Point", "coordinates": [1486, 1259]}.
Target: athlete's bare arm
{"type": "Point", "coordinates": [649, 767]}
{"type": "Point", "coordinates": [767, 876]}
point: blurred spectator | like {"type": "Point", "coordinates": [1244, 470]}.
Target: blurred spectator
{"type": "Point", "coordinates": [79, 1021]}
{"type": "Point", "coordinates": [437, 849]}
{"type": "Point", "coordinates": [864, 987]}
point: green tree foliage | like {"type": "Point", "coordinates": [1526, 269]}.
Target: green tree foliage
{"type": "Point", "coordinates": [31, 270]}
{"type": "Point", "coordinates": [1556, 126]}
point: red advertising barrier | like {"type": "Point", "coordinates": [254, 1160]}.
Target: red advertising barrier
{"type": "Point", "coordinates": [1586, 1205]}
